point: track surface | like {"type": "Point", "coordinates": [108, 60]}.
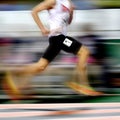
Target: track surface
{"type": "Point", "coordinates": [60, 111]}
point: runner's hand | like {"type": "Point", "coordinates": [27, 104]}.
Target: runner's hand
{"type": "Point", "coordinates": [45, 31]}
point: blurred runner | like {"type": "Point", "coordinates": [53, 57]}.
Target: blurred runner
{"type": "Point", "coordinates": [60, 16]}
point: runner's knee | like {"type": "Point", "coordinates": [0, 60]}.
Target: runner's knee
{"type": "Point", "coordinates": [86, 51]}
{"type": "Point", "coordinates": [41, 65]}
{"type": "Point", "coordinates": [83, 51]}
{"type": "Point", "coordinates": [40, 68]}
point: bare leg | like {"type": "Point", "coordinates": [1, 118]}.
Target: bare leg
{"type": "Point", "coordinates": [14, 89]}
{"type": "Point", "coordinates": [80, 72]}
{"type": "Point", "coordinates": [83, 55]}
{"type": "Point", "coordinates": [82, 85]}
{"type": "Point", "coordinates": [29, 71]}
{"type": "Point", "coordinates": [34, 68]}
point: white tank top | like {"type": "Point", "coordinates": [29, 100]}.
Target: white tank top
{"type": "Point", "coordinates": [59, 17]}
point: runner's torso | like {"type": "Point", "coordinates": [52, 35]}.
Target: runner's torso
{"type": "Point", "coordinates": [59, 17]}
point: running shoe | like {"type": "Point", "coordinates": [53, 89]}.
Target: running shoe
{"type": "Point", "coordinates": [10, 88]}
{"type": "Point", "coordinates": [82, 89]}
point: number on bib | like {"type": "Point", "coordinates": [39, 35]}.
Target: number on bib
{"type": "Point", "coordinates": [67, 42]}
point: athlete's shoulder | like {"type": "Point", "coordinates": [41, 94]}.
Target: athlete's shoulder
{"type": "Point", "coordinates": [44, 5]}
{"type": "Point", "coordinates": [50, 1]}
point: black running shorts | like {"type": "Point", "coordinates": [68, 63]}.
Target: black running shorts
{"type": "Point", "coordinates": [61, 42]}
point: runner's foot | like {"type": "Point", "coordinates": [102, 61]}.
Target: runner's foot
{"type": "Point", "coordinates": [10, 88]}
{"type": "Point", "coordinates": [83, 89]}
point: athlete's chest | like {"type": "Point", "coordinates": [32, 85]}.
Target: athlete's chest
{"type": "Point", "coordinates": [61, 6]}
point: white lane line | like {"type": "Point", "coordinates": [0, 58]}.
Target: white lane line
{"type": "Point", "coordinates": [59, 105]}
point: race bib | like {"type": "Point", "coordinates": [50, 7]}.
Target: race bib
{"type": "Point", "coordinates": [67, 42]}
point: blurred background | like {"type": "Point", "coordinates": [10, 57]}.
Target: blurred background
{"type": "Point", "coordinates": [96, 24]}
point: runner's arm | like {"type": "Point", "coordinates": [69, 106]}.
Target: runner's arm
{"type": "Point", "coordinates": [45, 5]}
{"type": "Point", "coordinates": [71, 12]}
